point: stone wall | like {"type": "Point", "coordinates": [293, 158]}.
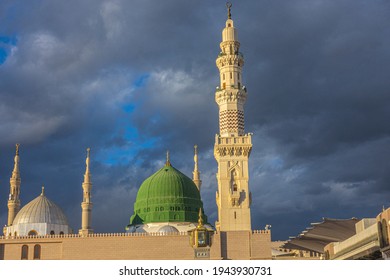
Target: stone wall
{"type": "Point", "coordinates": [120, 246]}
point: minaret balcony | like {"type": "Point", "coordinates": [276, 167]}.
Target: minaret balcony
{"type": "Point", "coordinates": [234, 140]}
{"type": "Point", "coordinates": [231, 87]}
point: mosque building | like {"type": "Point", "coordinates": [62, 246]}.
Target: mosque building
{"type": "Point", "coordinates": [169, 220]}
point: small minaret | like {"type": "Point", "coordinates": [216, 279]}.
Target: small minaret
{"type": "Point", "coordinates": [13, 199]}
{"type": "Point", "coordinates": [86, 205]}
{"type": "Point", "coordinates": [196, 173]}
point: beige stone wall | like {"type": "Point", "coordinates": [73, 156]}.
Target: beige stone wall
{"type": "Point", "coordinates": [228, 245]}
{"type": "Point", "coordinates": [106, 246]}
{"type": "Point", "coordinates": [261, 245]}
{"type": "Point", "coordinates": [128, 247]}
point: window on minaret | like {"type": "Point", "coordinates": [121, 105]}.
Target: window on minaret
{"type": "Point", "coordinates": [231, 75]}
{"type": "Point", "coordinates": [233, 181]}
{"type": "Point", "coordinates": [223, 76]}
{"type": "Point", "coordinates": [231, 50]}
{"type": "Point", "coordinates": [238, 76]}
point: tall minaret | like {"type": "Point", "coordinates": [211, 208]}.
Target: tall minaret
{"type": "Point", "coordinates": [196, 173]}
{"type": "Point", "coordinates": [13, 199]}
{"type": "Point", "coordinates": [86, 205]}
{"type": "Point", "coordinates": [232, 146]}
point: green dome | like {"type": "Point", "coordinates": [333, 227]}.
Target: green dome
{"type": "Point", "coordinates": [167, 196]}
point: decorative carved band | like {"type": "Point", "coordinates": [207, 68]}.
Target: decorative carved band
{"type": "Point", "coordinates": [223, 96]}
{"type": "Point", "coordinates": [232, 151]}
{"type": "Point", "coordinates": [226, 60]}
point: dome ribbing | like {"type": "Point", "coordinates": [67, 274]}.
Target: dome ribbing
{"type": "Point", "coordinates": [167, 196]}
{"type": "Point", "coordinates": [40, 210]}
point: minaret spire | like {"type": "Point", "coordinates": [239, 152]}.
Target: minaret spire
{"type": "Point", "coordinates": [15, 180]}
{"type": "Point", "coordinates": [232, 145]}
{"type": "Point", "coordinates": [229, 6]}
{"type": "Point", "coordinates": [196, 173]}
{"type": "Point", "coordinates": [86, 205]}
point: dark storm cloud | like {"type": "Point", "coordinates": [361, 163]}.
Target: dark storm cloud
{"type": "Point", "coordinates": [132, 79]}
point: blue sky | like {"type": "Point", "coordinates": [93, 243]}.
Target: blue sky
{"type": "Point", "coordinates": [132, 80]}
{"type": "Point", "coordinates": [6, 44]}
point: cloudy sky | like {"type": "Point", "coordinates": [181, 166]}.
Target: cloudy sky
{"type": "Point", "coordinates": [132, 79]}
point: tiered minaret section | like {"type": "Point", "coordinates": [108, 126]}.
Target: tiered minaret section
{"type": "Point", "coordinates": [13, 199]}
{"type": "Point", "coordinates": [86, 205]}
{"type": "Point", "coordinates": [232, 146]}
{"type": "Point", "coordinates": [196, 173]}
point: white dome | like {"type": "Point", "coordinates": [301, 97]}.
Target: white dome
{"type": "Point", "coordinates": [41, 210]}
{"type": "Point", "coordinates": [168, 229]}
{"type": "Point", "coordinates": [40, 216]}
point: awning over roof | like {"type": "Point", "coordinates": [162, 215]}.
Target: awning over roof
{"type": "Point", "coordinates": [320, 234]}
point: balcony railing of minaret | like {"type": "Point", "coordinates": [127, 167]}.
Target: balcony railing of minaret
{"type": "Point", "coordinates": [236, 53]}
{"type": "Point", "coordinates": [245, 139]}
{"type": "Point", "coordinates": [231, 87]}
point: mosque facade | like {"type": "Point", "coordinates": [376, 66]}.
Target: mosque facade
{"type": "Point", "coordinates": [169, 220]}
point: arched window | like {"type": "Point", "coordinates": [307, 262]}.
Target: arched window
{"type": "Point", "coordinates": [61, 233]}
{"type": "Point", "coordinates": [52, 232]}
{"type": "Point", "coordinates": [233, 181]}
{"type": "Point", "coordinates": [37, 252]}
{"type": "Point", "coordinates": [24, 252]}
{"type": "Point", "coordinates": [32, 233]}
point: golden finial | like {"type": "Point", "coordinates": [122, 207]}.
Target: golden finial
{"type": "Point", "coordinates": [383, 208]}
{"type": "Point", "coordinates": [17, 149]}
{"type": "Point", "coordinates": [43, 190]}
{"type": "Point", "coordinates": [200, 219]}
{"type": "Point", "coordinates": [229, 6]}
{"type": "Point", "coordinates": [88, 152]}
{"type": "Point", "coordinates": [168, 163]}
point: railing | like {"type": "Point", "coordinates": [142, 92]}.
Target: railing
{"type": "Point", "coordinates": [261, 232]}
{"type": "Point", "coordinates": [120, 234]}
{"type": "Point", "coordinates": [231, 87]}
{"type": "Point", "coordinates": [246, 139]}
{"type": "Point", "coordinates": [124, 234]}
